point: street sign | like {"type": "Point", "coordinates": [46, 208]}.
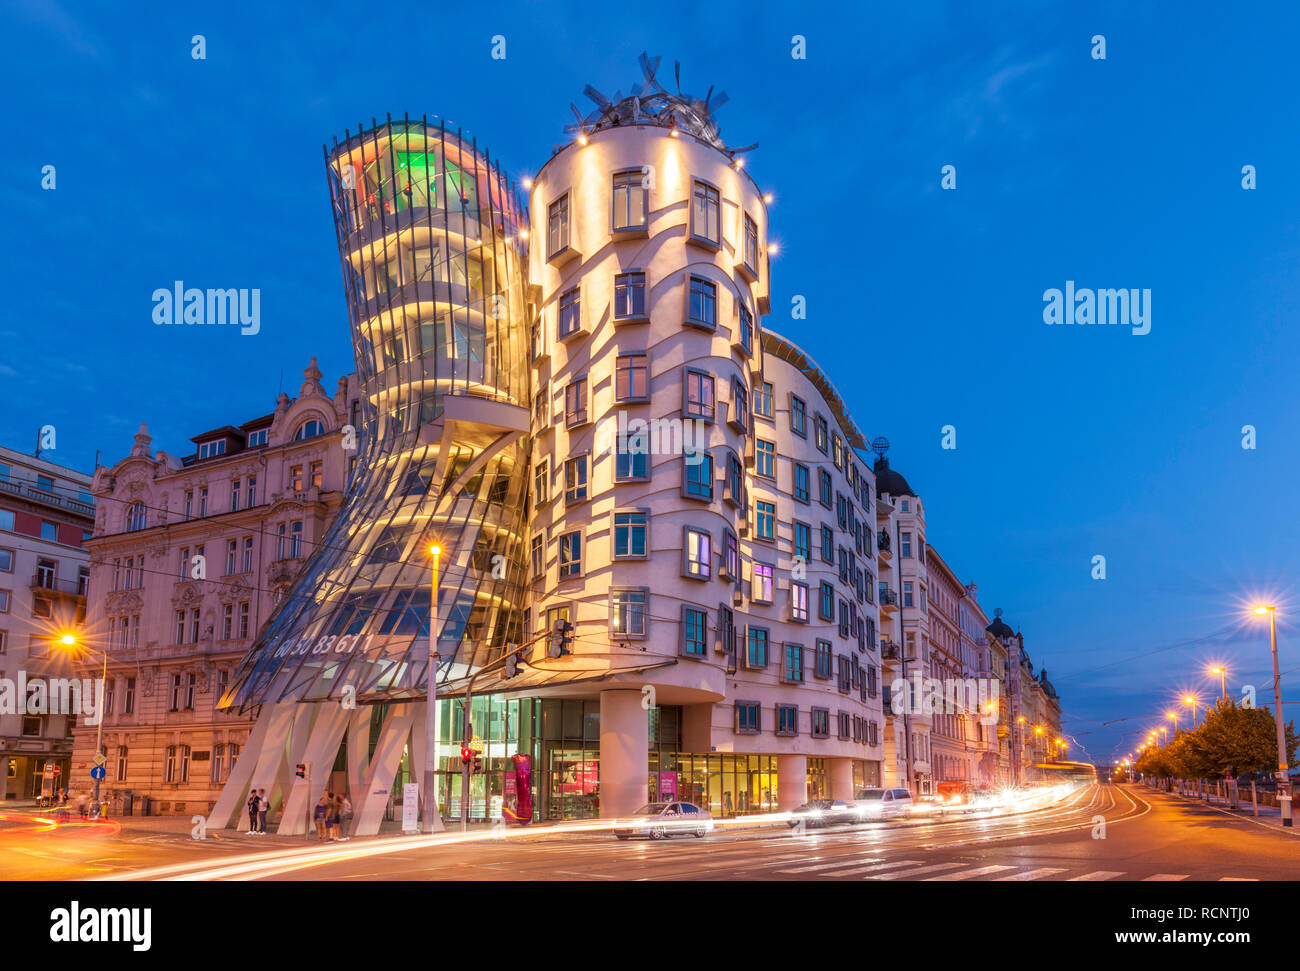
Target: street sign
{"type": "Point", "coordinates": [100, 758]}
{"type": "Point", "coordinates": [98, 772]}
{"type": "Point", "coordinates": [410, 807]}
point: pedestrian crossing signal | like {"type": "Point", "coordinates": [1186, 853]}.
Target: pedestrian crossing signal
{"type": "Point", "coordinates": [301, 770]}
{"type": "Point", "coordinates": [512, 661]}
{"type": "Point", "coordinates": [561, 639]}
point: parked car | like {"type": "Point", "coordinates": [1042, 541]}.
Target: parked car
{"type": "Point", "coordinates": [825, 812]}
{"type": "Point", "coordinates": [874, 804]}
{"type": "Point", "coordinates": [660, 820]}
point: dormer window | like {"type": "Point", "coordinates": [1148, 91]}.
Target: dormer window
{"type": "Point", "coordinates": [310, 429]}
{"type": "Point", "coordinates": [257, 438]}
{"type": "Point", "coordinates": [209, 449]}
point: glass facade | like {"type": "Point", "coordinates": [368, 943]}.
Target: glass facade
{"type": "Point", "coordinates": [429, 238]}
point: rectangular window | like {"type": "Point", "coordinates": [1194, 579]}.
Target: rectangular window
{"type": "Point", "coordinates": [631, 531]}
{"type": "Point", "coordinates": [570, 313]}
{"type": "Point", "coordinates": [739, 402]}
{"type": "Point", "coordinates": [694, 632]}
{"type": "Point", "coordinates": [697, 552]}
{"type": "Point", "coordinates": [822, 660]}
{"type": "Point", "coordinates": [703, 306]}
{"type": "Point", "coordinates": [821, 723]}
{"type": "Point", "coordinates": [235, 486]}
{"type": "Point", "coordinates": [699, 395]}
{"type": "Point", "coordinates": [631, 377]}
{"type": "Point", "coordinates": [251, 498]}
{"type": "Point", "coordinates": [787, 719]}
{"type": "Point", "coordinates": [765, 520]}
{"type": "Point", "coordinates": [627, 612]}
{"type": "Point", "coordinates": [295, 478]}
{"type": "Point", "coordinates": [537, 555]}
{"type": "Point", "coordinates": [824, 490]}
{"type": "Point", "coordinates": [246, 561]}
{"type": "Point", "coordinates": [629, 202]}
{"type": "Point", "coordinates": [316, 473]}
{"type": "Point", "coordinates": [751, 245]}
{"type": "Point", "coordinates": [756, 642]}
{"type": "Point", "coordinates": [128, 702]}
{"type": "Point", "coordinates": [541, 409]}
{"type": "Point", "coordinates": [575, 403]}
{"type": "Point", "coordinates": [706, 214]}
{"type": "Point", "coordinates": [232, 551]}
{"type": "Point", "coordinates": [907, 593]}
{"type": "Point", "coordinates": [763, 399]}
{"type": "Point", "coordinates": [227, 621]}
{"type": "Point", "coordinates": [801, 486]}
{"type": "Point", "coordinates": [802, 541]}
{"type": "Point", "coordinates": [699, 476]}
{"type": "Point", "coordinates": [570, 555]}
{"type": "Point", "coordinates": [820, 431]}
{"type": "Point", "coordinates": [557, 226]}
{"type": "Point", "coordinates": [826, 601]}
{"type": "Point", "coordinates": [761, 588]}
{"type": "Point", "coordinates": [748, 718]}
{"type": "Point", "coordinates": [905, 545]}
{"type": "Point", "coordinates": [629, 296]}
{"type": "Point", "coordinates": [575, 479]}
{"type": "Point", "coordinates": [735, 482]}
{"type": "Point", "coordinates": [541, 484]}
{"type": "Point", "coordinates": [257, 438]}
{"type": "Point", "coordinates": [243, 619]}
{"type": "Point", "coordinates": [792, 668]}
{"type": "Point", "coordinates": [746, 336]}
{"type": "Point", "coordinates": [765, 459]}
{"type": "Point", "coordinates": [632, 459]}
{"type": "Point", "coordinates": [798, 602]}
{"type": "Point", "coordinates": [798, 416]}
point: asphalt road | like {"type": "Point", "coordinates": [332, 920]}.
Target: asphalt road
{"type": "Point", "coordinates": [1146, 836]}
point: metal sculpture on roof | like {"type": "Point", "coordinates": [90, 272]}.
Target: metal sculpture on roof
{"type": "Point", "coordinates": [651, 103]}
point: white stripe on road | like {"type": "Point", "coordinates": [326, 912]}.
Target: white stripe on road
{"type": "Point", "coordinates": [864, 869]}
{"type": "Point", "coordinates": [823, 866]}
{"type": "Point", "coordinates": [1166, 876]}
{"type": "Point", "coordinates": [908, 874]}
{"type": "Point", "coordinates": [1042, 871]}
{"type": "Point", "coordinates": [1100, 875]}
{"type": "Point", "coordinates": [971, 874]}
{"type": "Point", "coordinates": [1241, 879]}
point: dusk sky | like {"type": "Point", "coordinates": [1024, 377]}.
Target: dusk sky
{"type": "Point", "coordinates": [925, 306]}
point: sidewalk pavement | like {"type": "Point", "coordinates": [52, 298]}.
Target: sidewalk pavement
{"type": "Point", "coordinates": [1270, 816]}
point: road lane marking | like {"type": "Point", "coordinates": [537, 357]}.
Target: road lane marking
{"type": "Point", "coordinates": [823, 866]}
{"type": "Point", "coordinates": [866, 869]}
{"type": "Point", "coordinates": [1166, 876]}
{"type": "Point", "coordinates": [1042, 871]}
{"type": "Point", "coordinates": [1100, 875]}
{"type": "Point", "coordinates": [1241, 879]}
{"type": "Point", "coordinates": [916, 872]}
{"type": "Point", "coordinates": [971, 874]}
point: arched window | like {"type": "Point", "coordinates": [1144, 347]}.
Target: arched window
{"type": "Point", "coordinates": [136, 518]}
{"type": "Point", "coordinates": [310, 429]}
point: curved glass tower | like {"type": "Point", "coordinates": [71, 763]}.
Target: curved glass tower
{"type": "Point", "coordinates": [429, 234]}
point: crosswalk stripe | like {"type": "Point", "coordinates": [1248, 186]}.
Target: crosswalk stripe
{"type": "Point", "coordinates": [1100, 875]}
{"type": "Point", "coordinates": [916, 872]}
{"type": "Point", "coordinates": [857, 869]}
{"type": "Point", "coordinates": [1042, 871]}
{"type": "Point", "coordinates": [1166, 876]}
{"type": "Point", "coordinates": [823, 866]}
{"type": "Point", "coordinates": [971, 874]}
{"type": "Point", "coordinates": [1241, 879]}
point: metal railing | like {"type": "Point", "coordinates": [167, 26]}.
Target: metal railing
{"type": "Point", "coordinates": [29, 491]}
{"type": "Point", "coordinates": [44, 581]}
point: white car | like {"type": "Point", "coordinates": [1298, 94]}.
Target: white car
{"type": "Point", "coordinates": [660, 820]}
{"type": "Point", "coordinates": [872, 804]}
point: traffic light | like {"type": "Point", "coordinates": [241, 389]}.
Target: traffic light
{"type": "Point", "coordinates": [512, 660]}
{"type": "Point", "coordinates": [561, 639]}
{"type": "Point", "coordinates": [478, 763]}
{"type": "Point", "coordinates": [301, 770]}
{"type": "Point", "coordinates": [466, 754]}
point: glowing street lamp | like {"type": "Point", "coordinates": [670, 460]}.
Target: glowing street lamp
{"type": "Point", "coordinates": [1174, 716]}
{"type": "Point", "coordinates": [1283, 778]}
{"type": "Point", "coordinates": [1191, 700]}
{"type": "Point", "coordinates": [68, 641]}
{"type": "Point", "coordinates": [1222, 672]}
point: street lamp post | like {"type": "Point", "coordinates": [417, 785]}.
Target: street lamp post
{"type": "Point", "coordinates": [1189, 700]}
{"type": "Point", "coordinates": [1222, 672]}
{"type": "Point", "coordinates": [1174, 716]}
{"type": "Point", "coordinates": [1283, 777]}
{"type": "Point", "coordinates": [432, 818]}
{"type": "Point", "coordinates": [68, 640]}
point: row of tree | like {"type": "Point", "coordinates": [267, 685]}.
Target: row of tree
{"type": "Point", "coordinates": [1244, 739]}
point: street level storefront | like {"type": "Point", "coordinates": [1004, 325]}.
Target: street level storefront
{"type": "Point", "coordinates": [562, 739]}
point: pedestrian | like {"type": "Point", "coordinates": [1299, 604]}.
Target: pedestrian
{"type": "Point", "coordinates": [345, 817]}
{"type": "Point", "coordinates": [252, 812]}
{"type": "Point", "coordinates": [263, 804]}
{"type": "Point", "coordinates": [319, 815]}
{"type": "Point", "coordinates": [332, 818]}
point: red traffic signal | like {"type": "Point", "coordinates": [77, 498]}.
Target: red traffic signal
{"type": "Point", "coordinates": [467, 754]}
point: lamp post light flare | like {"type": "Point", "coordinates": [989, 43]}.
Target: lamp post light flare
{"type": "Point", "coordinates": [1283, 777]}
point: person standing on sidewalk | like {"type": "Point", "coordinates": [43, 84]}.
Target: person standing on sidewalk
{"type": "Point", "coordinates": [263, 804]}
{"type": "Point", "coordinates": [345, 817]}
{"type": "Point", "coordinates": [252, 812]}
{"type": "Point", "coordinates": [319, 815]}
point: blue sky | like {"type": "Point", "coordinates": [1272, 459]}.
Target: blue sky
{"type": "Point", "coordinates": [924, 305]}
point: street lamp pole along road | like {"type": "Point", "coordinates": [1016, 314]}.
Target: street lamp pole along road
{"type": "Point", "coordinates": [432, 817]}
{"type": "Point", "coordinates": [70, 641]}
{"type": "Point", "coordinates": [1283, 776]}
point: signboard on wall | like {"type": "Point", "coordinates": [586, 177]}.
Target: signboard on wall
{"type": "Point", "coordinates": [411, 808]}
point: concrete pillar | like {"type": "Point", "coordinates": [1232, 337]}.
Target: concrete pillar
{"type": "Point", "coordinates": [841, 779]}
{"type": "Point", "coordinates": [624, 752]}
{"type": "Point", "coordinates": [791, 781]}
